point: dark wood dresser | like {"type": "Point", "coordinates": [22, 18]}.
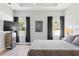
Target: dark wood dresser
{"type": "Point", "coordinates": [10, 40]}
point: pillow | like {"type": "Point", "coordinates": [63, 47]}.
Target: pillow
{"type": "Point", "coordinates": [76, 40]}
{"type": "Point", "coordinates": [69, 38]}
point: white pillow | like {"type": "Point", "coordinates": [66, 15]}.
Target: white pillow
{"type": "Point", "coordinates": [76, 40]}
{"type": "Point", "coordinates": [69, 38]}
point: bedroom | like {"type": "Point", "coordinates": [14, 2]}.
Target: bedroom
{"type": "Point", "coordinates": [38, 15]}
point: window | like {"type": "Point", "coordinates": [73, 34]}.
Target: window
{"type": "Point", "coordinates": [22, 24]}
{"type": "Point", "coordinates": [56, 26]}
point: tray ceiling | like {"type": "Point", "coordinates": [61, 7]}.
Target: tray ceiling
{"type": "Point", "coordinates": [38, 6]}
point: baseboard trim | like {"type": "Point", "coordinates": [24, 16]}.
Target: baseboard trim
{"type": "Point", "coordinates": [22, 43]}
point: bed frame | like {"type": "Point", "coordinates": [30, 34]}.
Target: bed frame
{"type": "Point", "coordinates": [34, 52]}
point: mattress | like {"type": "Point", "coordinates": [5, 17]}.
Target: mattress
{"type": "Point", "coordinates": [53, 48]}
{"type": "Point", "coordinates": [53, 45]}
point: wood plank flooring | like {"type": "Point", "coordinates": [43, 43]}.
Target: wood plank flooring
{"type": "Point", "coordinates": [19, 50]}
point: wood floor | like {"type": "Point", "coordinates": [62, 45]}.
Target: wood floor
{"type": "Point", "coordinates": [19, 50]}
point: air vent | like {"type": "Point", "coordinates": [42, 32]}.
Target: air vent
{"type": "Point", "coordinates": [9, 3]}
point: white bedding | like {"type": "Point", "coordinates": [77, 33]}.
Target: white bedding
{"type": "Point", "coordinates": [53, 45]}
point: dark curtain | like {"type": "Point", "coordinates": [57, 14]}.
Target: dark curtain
{"type": "Point", "coordinates": [27, 29]}
{"type": "Point", "coordinates": [61, 27]}
{"type": "Point", "coordinates": [49, 21]}
{"type": "Point", "coordinates": [17, 32]}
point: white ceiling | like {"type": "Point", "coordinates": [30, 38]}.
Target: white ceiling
{"type": "Point", "coordinates": [38, 6]}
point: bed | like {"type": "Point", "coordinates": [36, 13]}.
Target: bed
{"type": "Point", "coordinates": [53, 48]}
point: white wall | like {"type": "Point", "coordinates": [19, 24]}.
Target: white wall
{"type": "Point", "coordinates": [38, 16]}
{"type": "Point", "coordinates": [72, 15]}
{"type": "Point", "coordinates": [1, 35]}
{"type": "Point", "coordinates": [5, 14]}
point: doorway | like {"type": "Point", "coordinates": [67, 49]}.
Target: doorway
{"type": "Point", "coordinates": [22, 30]}
{"type": "Point", "coordinates": [56, 28]}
